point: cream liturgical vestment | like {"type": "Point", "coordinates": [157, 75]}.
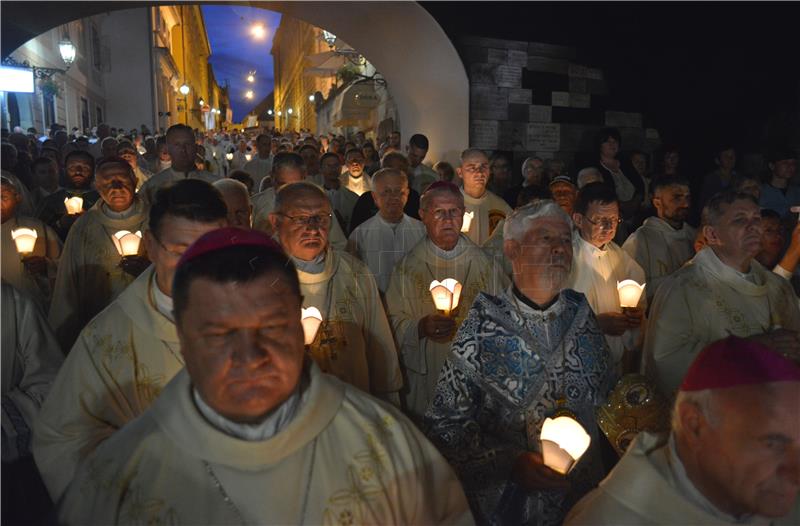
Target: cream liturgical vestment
{"type": "Point", "coordinates": [170, 175]}
{"type": "Point", "coordinates": [595, 273]}
{"type": "Point", "coordinates": [487, 211]}
{"type": "Point", "coordinates": [494, 249]}
{"type": "Point", "coordinates": [660, 250]}
{"type": "Point", "coordinates": [115, 371]}
{"type": "Point", "coordinates": [343, 458]}
{"type": "Point", "coordinates": [48, 245]}
{"type": "Point", "coordinates": [354, 341]}
{"type": "Point", "coordinates": [264, 204]}
{"type": "Point", "coordinates": [409, 300]}
{"type": "Point", "coordinates": [30, 360]}
{"type": "Point", "coordinates": [649, 487]}
{"type": "Point", "coordinates": [89, 273]}
{"type": "Point", "coordinates": [705, 301]}
{"type": "Point", "coordinates": [381, 244]}
{"type": "Point", "coordinates": [258, 169]}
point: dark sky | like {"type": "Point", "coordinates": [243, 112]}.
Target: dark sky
{"type": "Point", "coordinates": [234, 52]}
{"type": "Point", "coordinates": [701, 73]}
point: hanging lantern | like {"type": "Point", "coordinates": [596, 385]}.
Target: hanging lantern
{"type": "Point", "coordinates": [445, 294]}
{"type": "Point", "coordinates": [311, 318]}
{"type": "Point", "coordinates": [67, 50]}
{"type": "Point", "coordinates": [564, 441]}
{"type": "Point", "coordinates": [127, 243]}
{"type": "Point", "coordinates": [629, 293]}
{"type": "Point", "coordinates": [467, 221]}
{"type": "Point", "coordinates": [25, 239]}
{"type": "Point", "coordinates": [74, 205]}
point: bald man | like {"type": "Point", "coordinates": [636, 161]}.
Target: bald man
{"type": "Point", "coordinates": [237, 200]}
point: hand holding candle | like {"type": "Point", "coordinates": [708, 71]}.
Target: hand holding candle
{"type": "Point", "coordinates": [629, 293]}
{"type": "Point", "coordinates": [25, 240]}
{"type": "Point", "coordinates": [445, 294]}
{"type": "Point", "coordinates": [564, 441]}
{"type": "Point", "coordinates": [127, 243]}
{"type": "Point", "coordinates": [74, 205]}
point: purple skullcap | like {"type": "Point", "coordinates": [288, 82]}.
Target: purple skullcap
{"type": "Point", "coordinates": [735, 361]}
{"type": "Point", "coordinates": [225, 238]}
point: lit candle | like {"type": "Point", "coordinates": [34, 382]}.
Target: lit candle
{"type": "Point", "coordinates": [445, 294]}
{"type": "Point", "coordinates": [629, 293]}
{"type": "Point", "coordinates": [25, 239]}
{"type": "Point", "coordinates": [564, 441]}
{"type": "Point", "coordinates": [74, 205]}
{"type": "Point", "coordinates": [229, 156]}
{"type": "Point", "coordinates": [127, 243]}
{"type": "Point", "coordinates": [248, 156]}
{"type": "Point", "coordinates": [311, 318]}
{"type": "Point", "coordinates": [467, 221]}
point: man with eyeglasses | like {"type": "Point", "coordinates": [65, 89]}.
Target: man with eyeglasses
{"type": "Point", "coordinates": [386, 237]}
{"type": "Point", "coordinates": [128, 352]}
{"type": "Point", "coordinates": [598, 264]}
{"type": "Point", "coordinates": [355, 178]}
{"type": "Point", "coordinates": [354, 341]}
{"type": "Point", "coordinates": [423, 333]}
{"type": "Point", "coordinates": [483, 208]}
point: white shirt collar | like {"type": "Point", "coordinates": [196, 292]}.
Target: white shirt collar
{"type": "Point", "coordinates": [162, 301]}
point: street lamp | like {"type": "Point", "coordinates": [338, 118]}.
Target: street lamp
{"type": "Point", "coordinates": [280, 113]}
{"type": "Point", "coordinates": [258, 31]}
{"type": "Point", "coordinates": [184, 89]}
{"type": "Point", "coordinates": [249, 94]}
{"type": "Point", "coordinates": [201, 102]}
{"type": "Point", "coordinates": [311, 98]}
{"type": "Point", "coordinates": [269, 112]}
{"type": "Point", "coordinates": [251, 77]}
{"type": "Point", "coordinates": [67, 50]}
{"type": "Point", "coordinates": [289, 111]}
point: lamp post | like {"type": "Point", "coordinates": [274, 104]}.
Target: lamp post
{"type": "Point", "coordinates": [184, 90]}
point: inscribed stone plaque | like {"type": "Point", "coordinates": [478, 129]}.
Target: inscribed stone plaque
{"type": "Point", "coordinates": [482, 74]}
{"type": "Point", "coordinates": [483, 134]}
{"type": "Point", "coordinates": [519, 96]}
{"type": "Point", "coordinates": [549, 50]}
{"type": "Point", "coordinates": [580, 100]}
{"type": "Point", "coordinates": [497, 56]}
{"type": "Point", "coordinates": [623, 119]}
{"type": "Point", "coordinates": [594, 73]}
{"type": "Point", "coordinates": [517, 58]}
{"type": "Point", "coordinates": [576, 70]}
{"type": "Point", "coordinates": [512, 136]}
{"type": "Point", "coordinates": [578, 85]}
{"type": "Point", "coordinates": [544, 137]}
{"type": "Point", "coordinates": [560, 98]}
{"type": "Point", "coordinates": [539, 113]}
{"type": "Point", "coordinates": [508, 76]}
{"type": "Point", "coordinates": [548, 65]}
{"type": "Point", "coordinates": [488, 102]}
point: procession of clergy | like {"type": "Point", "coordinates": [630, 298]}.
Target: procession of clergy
{"type": "Point", "coordinates": [354, 344]}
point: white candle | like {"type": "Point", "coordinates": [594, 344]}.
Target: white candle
{"type": "Point", "coordinates": [629, 293]}
{"type": "Point", "coordinates": [467, 221]}
{"type": "Point", "coordinates": [446, 294]}
{"type": "Point", "coordinates": [127, 243]}
{"type": "Point", "coordinates": [564, 441]}
{"type": "Point", "coordinates": [25, 239]}
{"type": "Point", "coordinates": [311, 318]}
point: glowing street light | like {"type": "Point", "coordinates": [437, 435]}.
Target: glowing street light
{"type": "Point", "coordinates": [280, 113]}
{"type": "Point", "coordinates": [311, 98]}
{"type": "Point", "coordinates": [270, 112]}
{"type": "Point", "coordinates": [201, 102]}
{"type": "Point", "coordinates": [184, 89]}
{"type": "Point", "coordinates": [258, 31]}
{"type": "Point", "coordinates": [248, 94]}
{"type": "Point", "coordinates": [290, 111]}
{"type": "Point", "coordinates": [251, 77]}
{"type": "Point", "coordinates": [67, 50]}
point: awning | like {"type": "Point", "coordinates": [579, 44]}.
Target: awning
{"type": "Point", "coordinates": [353, 106]}
{"type": "Point", "coordinates": [324, 64]}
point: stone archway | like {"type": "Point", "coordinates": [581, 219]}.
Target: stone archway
{"type": "Point", "coordinates": [402, 40]}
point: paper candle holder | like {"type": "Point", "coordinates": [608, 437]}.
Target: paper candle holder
{"type": "Point", "coordinates": [127, 243]}
{"type": "Point", "coordinates": [564, 441]}
{"type": "Point", "coordinates": [311, 318]}
{"type": "Point", "coordinates": [629, 293]}
{"type": "Point", "coordinates": [74, 205]}
{"type": "Point", "coordinates": [467, 221]}
{"type": "Point", "coordinates": [24, 239]}
{"type": "Point", "coordinates": [446, 294]}
{"type": "Point", "coordinates": [229, 156]}
{"type": "Point", "coordinates": [248, 156]}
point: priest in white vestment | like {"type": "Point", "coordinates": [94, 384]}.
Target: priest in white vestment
{"type": "Point", "coordinates": [598, 265]}
{"type": "Point", "coordinates": [33, 273]}
{"type": "Point", "coordinates": [30, 360]}
{"type": "Point", "coordinates": [343, 200]}
{"type": "Point", "coordinates": [182, 149]}
{"type": "Point", "coordinates": [528, 353]}
{"type": "Point", "coordinates": [251, 432]}
{"type": "Point", "coordinates": [92, 271]}
{"type": "Point", "coordinates": [484, 210]}
{"type": "Point", "coordinates": [665, 241]}
{"type": "Point", "coordinates": [128, 352]}
{"type": "Point", "coordinates": [237, 200]}
{"type": "Point", "coordinates": [354, 341]}
{"type": "Point", "coordinates": [385, 238]}
{"type": "Point", "coordinates": [732, 455]}
{"type": "Point", "coordinates": [722, 291]}
{"type": "Point", "coordinates": [422, 332]}
{"type": "Point", "coordinates": [355, 178]}
{"type": "Point", "coordinates": [260, 166]}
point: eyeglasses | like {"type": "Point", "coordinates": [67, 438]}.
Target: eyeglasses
{"type": "Point", "coordinates": [323, 220]}
{"type": "Point", "coordinates": [451, 213]}
{"type": "Point", "coordinates": [605, 222]}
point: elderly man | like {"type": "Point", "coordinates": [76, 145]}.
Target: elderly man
{"type": "Point", "coordinates": [237, 200]}
{"type": "Point", "coordinates": [355, 178]}
{"type": "Point", "coordinates": [92, 271]}
{"type": "Point", "coordinates": [128, 151]}
{"type": "Point", "coordinates": [424, 333]}
{"type": "Point", "coordinates": [251, 431]}
{"type": "Point", "coordinates": [386, 237]}
{"type": "Point", "coordinates": [421, 175]}
{"type": "Point", "coordinates": [598, 265]}
{"type": "Point", "coordinates": [484, 210]}
{"type": "Point", "coordinates": [732, 457]}
{"type": "Point", "coordinates": [32, 273]}
{"type": "Point", "coordinates": [354, 341]}
{"type": "Point", "coordinates": [260, 166]}
{"type": "Point", "coordinates": [128, 352]}
{"type": "Point", "coordinates": [531, 352]}
{"type": "Point", "coordinates": [665, 241]}
{"type": "Point", "coordinates": [79, 168]}
{"type": "Point", "coordinates": [182, 149]}
{"type": "Point", "coordinates": [722, 291]}
{"type": "Point", "coordinates": [342, 199]}
{"type": "Point", "coordinates": [564, 192]}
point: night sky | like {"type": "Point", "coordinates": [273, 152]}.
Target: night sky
{"type": "Point", "coordinates": [234, 52]}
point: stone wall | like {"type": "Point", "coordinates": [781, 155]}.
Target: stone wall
{"type": "Point", "coordinates": [531, 98]}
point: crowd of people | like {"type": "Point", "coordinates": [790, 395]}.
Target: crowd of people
{"type": "Point", "coordinates": [289, 328]}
